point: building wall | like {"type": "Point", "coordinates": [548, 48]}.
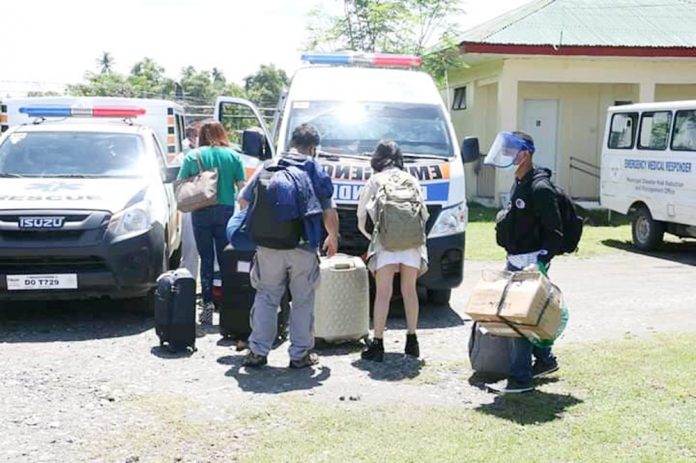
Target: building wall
{"type": "Point", "coordinates": [584, 88]}
{"type": "Point", "coordinates": [581, 117]}
{"type": "Point", "coordinates": [675, 92]}
{"type": "Point", "coordinates": [480, 117]}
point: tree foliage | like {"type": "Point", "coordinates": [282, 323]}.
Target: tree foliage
{"type": "Point", "coordinates": [422, 27]}
{"type": "Point", "coordinates": [266, 85]}
{"type": "Point", "coordinates": [147, 79]}
{"type": "Point", "coordinates": [106, 62]}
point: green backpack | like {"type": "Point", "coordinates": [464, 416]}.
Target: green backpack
{"type": "Point", "coordinates": [400, 223]}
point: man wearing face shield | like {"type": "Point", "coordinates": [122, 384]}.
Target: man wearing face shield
{"type": "Point", "coordinates": [531, 231]}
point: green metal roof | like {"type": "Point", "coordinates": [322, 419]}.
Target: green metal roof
{"type": "Point", "coordinates": [601, 23]}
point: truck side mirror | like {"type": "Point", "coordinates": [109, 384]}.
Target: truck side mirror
{"type": "Point", "coordinates": [470, 150]}
{"type": "Point", "coordinates": [254, 143]}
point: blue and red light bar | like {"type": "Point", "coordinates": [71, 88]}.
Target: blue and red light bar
{"type": "Point", "coordinates": [78, 111]}
{"type": "Point", "coordinates": [374, 59]}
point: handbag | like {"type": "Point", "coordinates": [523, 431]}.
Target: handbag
{"type": "Point", "coordinates": [198, 191]}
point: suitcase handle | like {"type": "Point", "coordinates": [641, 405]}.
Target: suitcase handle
{"type": "Point", "coordinates": [343, 266]}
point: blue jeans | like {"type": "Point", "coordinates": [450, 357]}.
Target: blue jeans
{"type": "Point", "coordinates": [209, 230]}
{"type": "Point", "coordinates": [522, 352]}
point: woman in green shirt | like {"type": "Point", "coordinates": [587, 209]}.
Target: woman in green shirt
{"type": "Point", "coordinates": [209, 223]}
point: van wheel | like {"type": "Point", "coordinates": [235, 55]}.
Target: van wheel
{"type": "Point", "coordinates": [439, 296]}
{"type": "Point", "coordinates": [647, 233]}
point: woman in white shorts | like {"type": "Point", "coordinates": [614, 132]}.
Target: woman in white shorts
{"type": "Point", "coordinates": [384, 264]}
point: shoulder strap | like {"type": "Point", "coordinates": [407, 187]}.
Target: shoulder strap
{"type": "Point", "coordinates": [199, 163]}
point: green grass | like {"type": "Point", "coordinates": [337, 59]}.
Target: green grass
{"type": "Point", "coordinates": [633, 400]}
{"type": "Point", "coordinates": [600, 237]}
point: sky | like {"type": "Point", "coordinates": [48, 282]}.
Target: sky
{"type": "Point", "coordinates": [50, 43]}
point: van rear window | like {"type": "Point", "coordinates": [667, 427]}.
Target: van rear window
{"type": "Point", "coordinates": [684, 136]}
{"type": "Point", "coordinates": [623, 130]}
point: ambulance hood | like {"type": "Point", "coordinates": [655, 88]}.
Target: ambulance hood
{"type": "Point", "coordinates": [103, 194]}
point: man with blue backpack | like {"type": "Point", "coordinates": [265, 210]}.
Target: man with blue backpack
{"type": "Point", "coordinates": [286, 201]}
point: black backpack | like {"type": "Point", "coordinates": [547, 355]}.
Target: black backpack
{"type": "Point", "coordinates": [264, 228]}
{"type": "Point", "coordinates": [572, 223]}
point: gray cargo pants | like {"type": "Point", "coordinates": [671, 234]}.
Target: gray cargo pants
{"type": "Point", "coordinates": [273, 271]}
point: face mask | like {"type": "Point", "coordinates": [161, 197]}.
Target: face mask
{"type": "Point", "coordinates": [505, 150]}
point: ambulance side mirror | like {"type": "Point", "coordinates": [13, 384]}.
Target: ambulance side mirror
{"type": "Point", "coordinates": [254, 143]}
{"type": "Point", "coordinates": [470, 150]}
{"type": "Point", "coordinates": [171, 173]}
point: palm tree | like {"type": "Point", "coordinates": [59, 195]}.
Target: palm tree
{"type": "Point", "coordinates": [106, 63]}
{"type": "Point", "coordinates": [217, 75]}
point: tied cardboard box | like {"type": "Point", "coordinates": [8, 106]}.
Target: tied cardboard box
{"type": "Point", "coordinates": [527, 299]}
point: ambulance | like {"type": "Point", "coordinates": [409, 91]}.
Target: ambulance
{"type": "Point", "coordinates": [648, 169]}
{"type": "Point", "coordinates": [355, 100]}
{"type": "Point", "coordinates": [87, 208]}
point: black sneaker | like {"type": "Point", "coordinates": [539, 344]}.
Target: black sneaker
{"type": "Point", "coordinates": [412, 348]}
{"type": "Point", "coordinates": [510, 387]}
{"type": "Point", "coordinates": [539, 370]}
{"type": "Point", "coordinates": [310, 359]}
{"type": "Point", "coordinates": [253, 360]}
{"type": "Point", "coordinates": [374, 351]}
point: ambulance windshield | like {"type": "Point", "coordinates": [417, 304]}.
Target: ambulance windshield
{"type": "Point", "coordinates": [356, 128]}
{"type": "Point", "coordinates": [72, 154]}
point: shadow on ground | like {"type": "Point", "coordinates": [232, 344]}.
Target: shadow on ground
{"type": "Point", "coordinates": [430, 316]}
{"type": "Point", "coordinates": [50, 321]}
{"type": "Point", "coordinates": [274, 380]}
{"type": "Point", "coordinates": [164, 353]}
{"type": "Point", "coordinates": [683, 253]}
{"type": "Point", "coordinates": [534, 407]}
{"type": "Point", "coordinates": [395, 367]}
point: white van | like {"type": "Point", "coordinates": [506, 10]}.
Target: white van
{"type": "Point", "coordinates": [86, 203]}
{"type": "Point", "coordinates": [355, 100]}
{"type": "Point", "coordinates": [648, 170]}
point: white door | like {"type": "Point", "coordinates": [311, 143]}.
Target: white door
{"type": "Point", "coordinates": [541, 122]}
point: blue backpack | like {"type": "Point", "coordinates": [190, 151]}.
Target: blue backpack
{"type": "Point", "coordinates": [237, 233]}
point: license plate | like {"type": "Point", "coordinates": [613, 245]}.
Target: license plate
{"type": "Point", "coordinates": [41, 282]}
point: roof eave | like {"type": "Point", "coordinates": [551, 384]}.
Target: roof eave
{"type": "Point", "coordinates": [576, 50]}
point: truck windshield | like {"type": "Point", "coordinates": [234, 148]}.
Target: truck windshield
{"type": "Point", "coordinates": [72, 154]}
{"type": "Point", "coordinates": [356, 128]}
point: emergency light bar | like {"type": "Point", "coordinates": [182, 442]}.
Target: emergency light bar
{"type": "Point", "coordinates": [374, 59]}
{"type": "Point", "coordinates": [75, 111]}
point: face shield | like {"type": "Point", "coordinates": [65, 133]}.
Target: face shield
{"type": "Point", "coordinates": [505, 149]}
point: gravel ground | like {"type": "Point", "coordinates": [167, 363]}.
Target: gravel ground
{"type": "Point", "coordinates": [88, 382]}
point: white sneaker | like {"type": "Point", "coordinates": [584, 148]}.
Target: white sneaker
{"type": "Point", "coordinates": [206, 316]}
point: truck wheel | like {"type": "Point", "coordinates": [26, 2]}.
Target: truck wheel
{"type": "Point", "coordinates": [439, 296]}
{"type": "Point", "coordinates": [647, 233]}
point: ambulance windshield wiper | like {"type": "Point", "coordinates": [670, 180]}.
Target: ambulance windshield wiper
{"type": "Point", "coordinates": [69, 176]}
{"type": "Point", "coordinates": [337, 157]}
{"type": "Point", "coordinates": [414, 157]}
{"type": "Point", "coordinates": [8, 175]}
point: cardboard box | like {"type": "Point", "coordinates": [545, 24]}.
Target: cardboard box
{"type": "Point", "coordinates": [526, 299]}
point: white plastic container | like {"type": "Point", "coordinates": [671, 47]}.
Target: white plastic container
{"type": "Point", "coordinates": [342, 303]}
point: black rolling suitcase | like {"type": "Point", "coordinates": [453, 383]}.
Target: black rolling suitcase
{"type": "Point", "coordinates": [175, 310]}
{"type": "Point", "coordinates": [238, 297]}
